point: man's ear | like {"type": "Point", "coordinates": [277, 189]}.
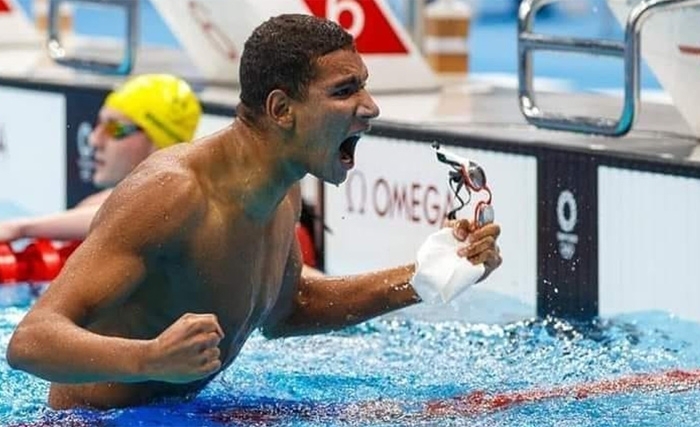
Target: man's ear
{"type": "Point", "coordinates": [280, 109]}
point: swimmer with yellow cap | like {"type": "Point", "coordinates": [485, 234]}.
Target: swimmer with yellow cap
{"type": "Point", "coordinates": [147, 113]}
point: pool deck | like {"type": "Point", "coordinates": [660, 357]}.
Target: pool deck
{"type": "Point", "coordinates": [480, 106]}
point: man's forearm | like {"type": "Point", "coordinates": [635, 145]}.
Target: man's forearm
{"type": "Point", "coordinates": [328, 303]}
{"type": "Point", "coordinates": [57, 350]}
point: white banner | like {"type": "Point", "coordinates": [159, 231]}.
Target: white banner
{"type": "Point", "coordinates": [32, 152]}
{"type": "Point", "coordinates": [649, 243]}
{"type": "Point", "coordinates": [398, 194]}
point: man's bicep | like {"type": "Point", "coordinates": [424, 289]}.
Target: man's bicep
{"type": "Point", "coordinates": [127, 232]}
{"type": "Point", "coordinates": [96, 276]}
{"type": "Point", "coordinates": [111, 261]}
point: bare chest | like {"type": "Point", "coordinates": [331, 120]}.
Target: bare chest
{"type": "Point", "coordinates": [233, 268]}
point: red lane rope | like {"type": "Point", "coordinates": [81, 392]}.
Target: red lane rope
{"type": "Point", "coordinates": [40, 261]}
{"type": "Point", "coordinates": [477, 403]}
{"type": "Point", "coordinates": [481, 402]}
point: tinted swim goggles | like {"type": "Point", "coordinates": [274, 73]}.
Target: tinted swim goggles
{"type": "Point", "coordinates": [118, 130]}
{"type": "Point", "coordinates": [471, 177]}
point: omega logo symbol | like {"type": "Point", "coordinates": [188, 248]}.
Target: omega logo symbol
{"type": "Point", "coordinates": [567, 218]}
{"type": "Point", "coordinates": [85, 161]}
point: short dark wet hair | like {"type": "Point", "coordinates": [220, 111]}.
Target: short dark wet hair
{"type": "Point", "coordinates": [282, 52]}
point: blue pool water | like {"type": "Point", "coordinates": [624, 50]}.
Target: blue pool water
{"type": "Point", "coordinates": [383, 373]}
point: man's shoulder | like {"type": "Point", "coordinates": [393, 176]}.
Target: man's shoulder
{"type": "Point", "coordinates": [167, 183]}
{"type": "Point", "coordinates": [153, 205]}
{"type": "Point", "coordinates": [164, 166]}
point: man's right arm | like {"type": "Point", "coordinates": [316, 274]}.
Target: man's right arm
{"type": "Point", "coordinates": [51, 341]}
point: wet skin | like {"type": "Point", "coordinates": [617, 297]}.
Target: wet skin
{"type": "Point", "coordinates": [205, 229]}
{"type": "Point", "coordinates": [196, 249]}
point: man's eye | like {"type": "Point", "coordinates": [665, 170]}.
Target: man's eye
{"type": "Point", "coordinates": [345, 91]}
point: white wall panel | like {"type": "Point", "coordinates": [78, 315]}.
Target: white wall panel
{"type": "Point", "coordinates": [32, 152]}
{"type": "Point", "coordinates": [649, 243]}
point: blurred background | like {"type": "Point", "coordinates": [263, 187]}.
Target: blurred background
{"type": "Point", "coordinates": [492, 40]}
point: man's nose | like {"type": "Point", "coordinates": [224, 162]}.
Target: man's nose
{"type": "Point", "coordinates": [368, 108]}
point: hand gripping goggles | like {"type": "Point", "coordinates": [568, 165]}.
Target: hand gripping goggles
{"type": "Point", "coordinates": [469, 176]}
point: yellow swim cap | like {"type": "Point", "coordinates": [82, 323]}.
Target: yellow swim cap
{"type": "Point", "coordinates": [163, 105]}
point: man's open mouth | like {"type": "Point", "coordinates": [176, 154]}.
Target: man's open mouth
{"type": "Point", "coordinates": [347, 150]}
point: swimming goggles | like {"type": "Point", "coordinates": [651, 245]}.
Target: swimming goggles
{"type": "Point", "coordinates": [118, 130]}
{"type": "Point", "coordinates": [469, 176]}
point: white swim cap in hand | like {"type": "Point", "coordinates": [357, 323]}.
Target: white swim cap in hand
{"type": "Point", "coordinates": [441, 274]}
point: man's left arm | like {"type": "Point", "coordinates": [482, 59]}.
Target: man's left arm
{"type": "Point", "coordinates": [321, 304]}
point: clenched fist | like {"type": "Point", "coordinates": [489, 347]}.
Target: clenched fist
{"type": "Point", "coordinates": [186, 351]}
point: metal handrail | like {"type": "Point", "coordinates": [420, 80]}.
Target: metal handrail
{"type": "Point", "coordinates": [629, 50]}
{"type": "Point", "coordinates": [57, 51]}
